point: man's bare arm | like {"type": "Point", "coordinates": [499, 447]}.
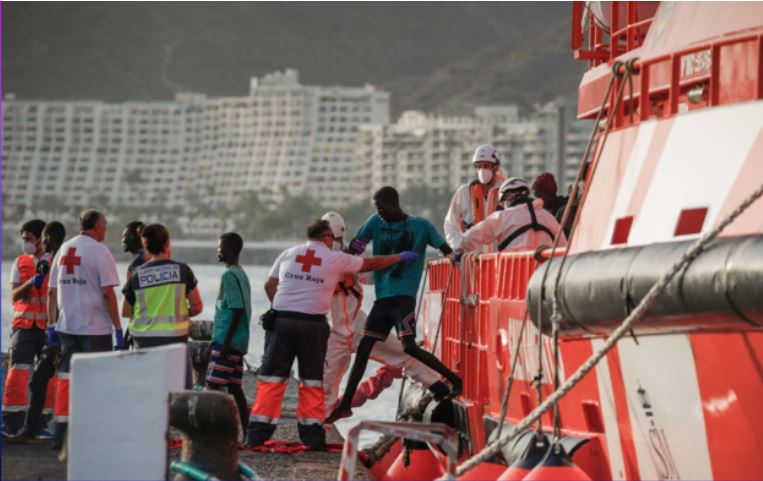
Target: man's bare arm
{"type": "Point", "coordinates": [52, 306]}
{"type": "Point", "coordinates": [127, 309]}
{"type": "Point", "coordinates": [271, 287]}
{"type": "Point", "coordinates": [195, 306]}
{"type": "Point", "coordinates": [111, 306]}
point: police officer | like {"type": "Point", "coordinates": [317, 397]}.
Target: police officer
{"type": "Point", "coordinates": [161, 295]}
{"type": "Point", "coordinates": [300, 286]}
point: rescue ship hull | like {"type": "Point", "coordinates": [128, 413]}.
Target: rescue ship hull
{"type": "Point", "coordinates": [680, 396]}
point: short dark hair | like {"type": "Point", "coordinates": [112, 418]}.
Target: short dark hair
{"type": "Point", "coordinates": [155, 238]}
{"type": "Point", "coordinates": [317, 228]}
{"type": "Point", "coordinates": [135, 226]}
{"type": "Point", "coordinates": [233, 241]}
{"type": "Point", "coordinates": [34, 226]}
{"type": "Point", "coordinates": [387, 195]}
{"type": "Point", "coordinates": [88, 219]}
{"type": "Point", "coordinates": [56, 231]}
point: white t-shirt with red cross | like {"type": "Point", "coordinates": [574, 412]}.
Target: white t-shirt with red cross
{"type": "Point", "coordinates": [307, 276]}
{"type": "Point", "coordinates": [81, 268]}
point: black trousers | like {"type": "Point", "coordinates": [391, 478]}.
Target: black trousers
{"type": "Point", "coordinates": [306, 341]}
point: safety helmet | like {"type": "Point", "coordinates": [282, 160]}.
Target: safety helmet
{"type": "Point", "coordinates": [486, 153]}
{"type": "Point", "coordinates": [336, 222]}
{"type": "Point", "coordinates": [513, 183]}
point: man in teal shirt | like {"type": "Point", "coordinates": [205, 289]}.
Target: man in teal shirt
{"type": "Point", "coordinates": [393, 231]}
{"type": "Point", "coordinates": [230, 332]}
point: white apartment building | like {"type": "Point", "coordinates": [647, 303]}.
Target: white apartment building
{"type": "Point", "coordinates": [436, 151]}
{"type": "Point", "coordinates": [88, 152]}
{"type": "Point", "coordinates": [192, 150]}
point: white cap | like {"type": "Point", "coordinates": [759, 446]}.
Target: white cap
{"type": "Point", "coordinates": [486, 153]}
{"type": "Point", "coordinates": [513, 183]}
{"type": "Point", "coordinates": [336, 222]}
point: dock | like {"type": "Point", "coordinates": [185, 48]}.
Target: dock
{"type": "Point", "coordinates": [40, 461]}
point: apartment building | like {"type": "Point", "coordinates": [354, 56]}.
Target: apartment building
{"type": "Point", "coordinates": [283, 136]}
{"type": "Point", "coordinates": [436, 151]}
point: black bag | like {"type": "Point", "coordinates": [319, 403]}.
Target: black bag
{"type": "Point", "coordinates": [268, 320]}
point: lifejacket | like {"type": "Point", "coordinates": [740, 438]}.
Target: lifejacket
{"type": "Point", "coordinates": [481, 196]}
{"type": "Point", "coordinates": [33, 308]}
{"type": "Point", "coordinates": [534, 225]}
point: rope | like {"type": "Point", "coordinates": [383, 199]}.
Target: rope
{"type": "Point", "coordinates": [565, 216]}
{"type": "Point", "coordinates": [688, 256]}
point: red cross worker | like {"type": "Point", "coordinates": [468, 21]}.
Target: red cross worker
{"type": "Point", "coordinates": [300, 286]}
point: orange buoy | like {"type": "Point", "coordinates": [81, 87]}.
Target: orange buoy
{"type": "Point", "coordinates": [483, 471]}
{"type": "Point", "coordinates": [424, 465]}
{"type": "Point", "coordinates": [379, 470]}
{"type": "Point", "coordinates": [533, 455]}
{"type": "Point", "coordinates": [557, 465]}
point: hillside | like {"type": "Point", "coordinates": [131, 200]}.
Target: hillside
{"type": "Point", "coordinates": [431, 56]}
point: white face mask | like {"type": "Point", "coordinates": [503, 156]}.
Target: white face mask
{"type": "Point", "coordinates": [29, 248]}
{"type": "Point", "coordinates": [485, 175]}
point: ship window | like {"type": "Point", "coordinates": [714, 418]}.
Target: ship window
{"type": "Point", "coordinates": [622, 230]}
{"type": "Point", "coordinates": [690, 221]}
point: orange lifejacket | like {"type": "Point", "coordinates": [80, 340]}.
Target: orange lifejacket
{"type": "Point", "coordinates": [33, 308]}
{"type": "Point", "coordinates": [482, 196]}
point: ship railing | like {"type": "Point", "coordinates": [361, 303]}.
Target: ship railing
{"type": "Point", "coordinates": [606, 43]}
{"type": "Point", "coordinates": [473, 295]}
{"type": "Point", "coordinates": [434, 434]}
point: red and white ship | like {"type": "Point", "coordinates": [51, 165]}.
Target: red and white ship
{"type": "Point", "coordinates": [681, 396]}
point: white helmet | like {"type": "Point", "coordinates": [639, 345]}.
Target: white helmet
{"type": "Point", "coordinates": [336, 222]}
{"type": "Point", "coordinates": [513, 183]}
{"type": "Point", "coordinates": [486, 153]}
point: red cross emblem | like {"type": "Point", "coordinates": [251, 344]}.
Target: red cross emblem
{"type": "Point", "coordinates": [309, 260]}
{"type": "Point", "coordinates": [70, 260]}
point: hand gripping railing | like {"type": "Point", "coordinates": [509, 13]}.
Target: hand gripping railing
{"type": "Point", "coordinates": [432, 433]}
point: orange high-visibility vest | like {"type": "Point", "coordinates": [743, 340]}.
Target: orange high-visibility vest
{"type": "Point", "coordinates": [33, 308]}
{"type": "Point", "coordinates": [480, 199]}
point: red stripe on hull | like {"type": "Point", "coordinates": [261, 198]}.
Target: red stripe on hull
{"type": "Point", "coordinates": [730, 377]}
{"type": "Point", "coordinates": [623, 419]}
{"type": "Point", "coordinates": [750, 176]}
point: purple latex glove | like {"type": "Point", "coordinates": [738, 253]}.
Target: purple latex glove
{"type": "Point", "coordinates": [408, 256]}
{"type": "Point", "coordinates": [359, 245]}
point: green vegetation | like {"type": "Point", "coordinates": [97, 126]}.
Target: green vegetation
{"type": "Point", "coordinates": [258, 220]}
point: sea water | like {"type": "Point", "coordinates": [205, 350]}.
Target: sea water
{"type": "Point", "coordinates": [208, 275]}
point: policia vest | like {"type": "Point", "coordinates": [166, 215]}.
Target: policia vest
{"type": "Point", "coordinates": [158, 291]}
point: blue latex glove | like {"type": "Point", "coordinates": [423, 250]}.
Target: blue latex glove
{"type": "Point", "coordinates": [359, 245]}
{"type": "Point", "coordinates": [53, 340]}
{"type": "Point", "coordinates": [120, 340]}
{"type": "Point", "coordinates": [38, 279]}
{"type": "Point", "coordinates": [408, 256]}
